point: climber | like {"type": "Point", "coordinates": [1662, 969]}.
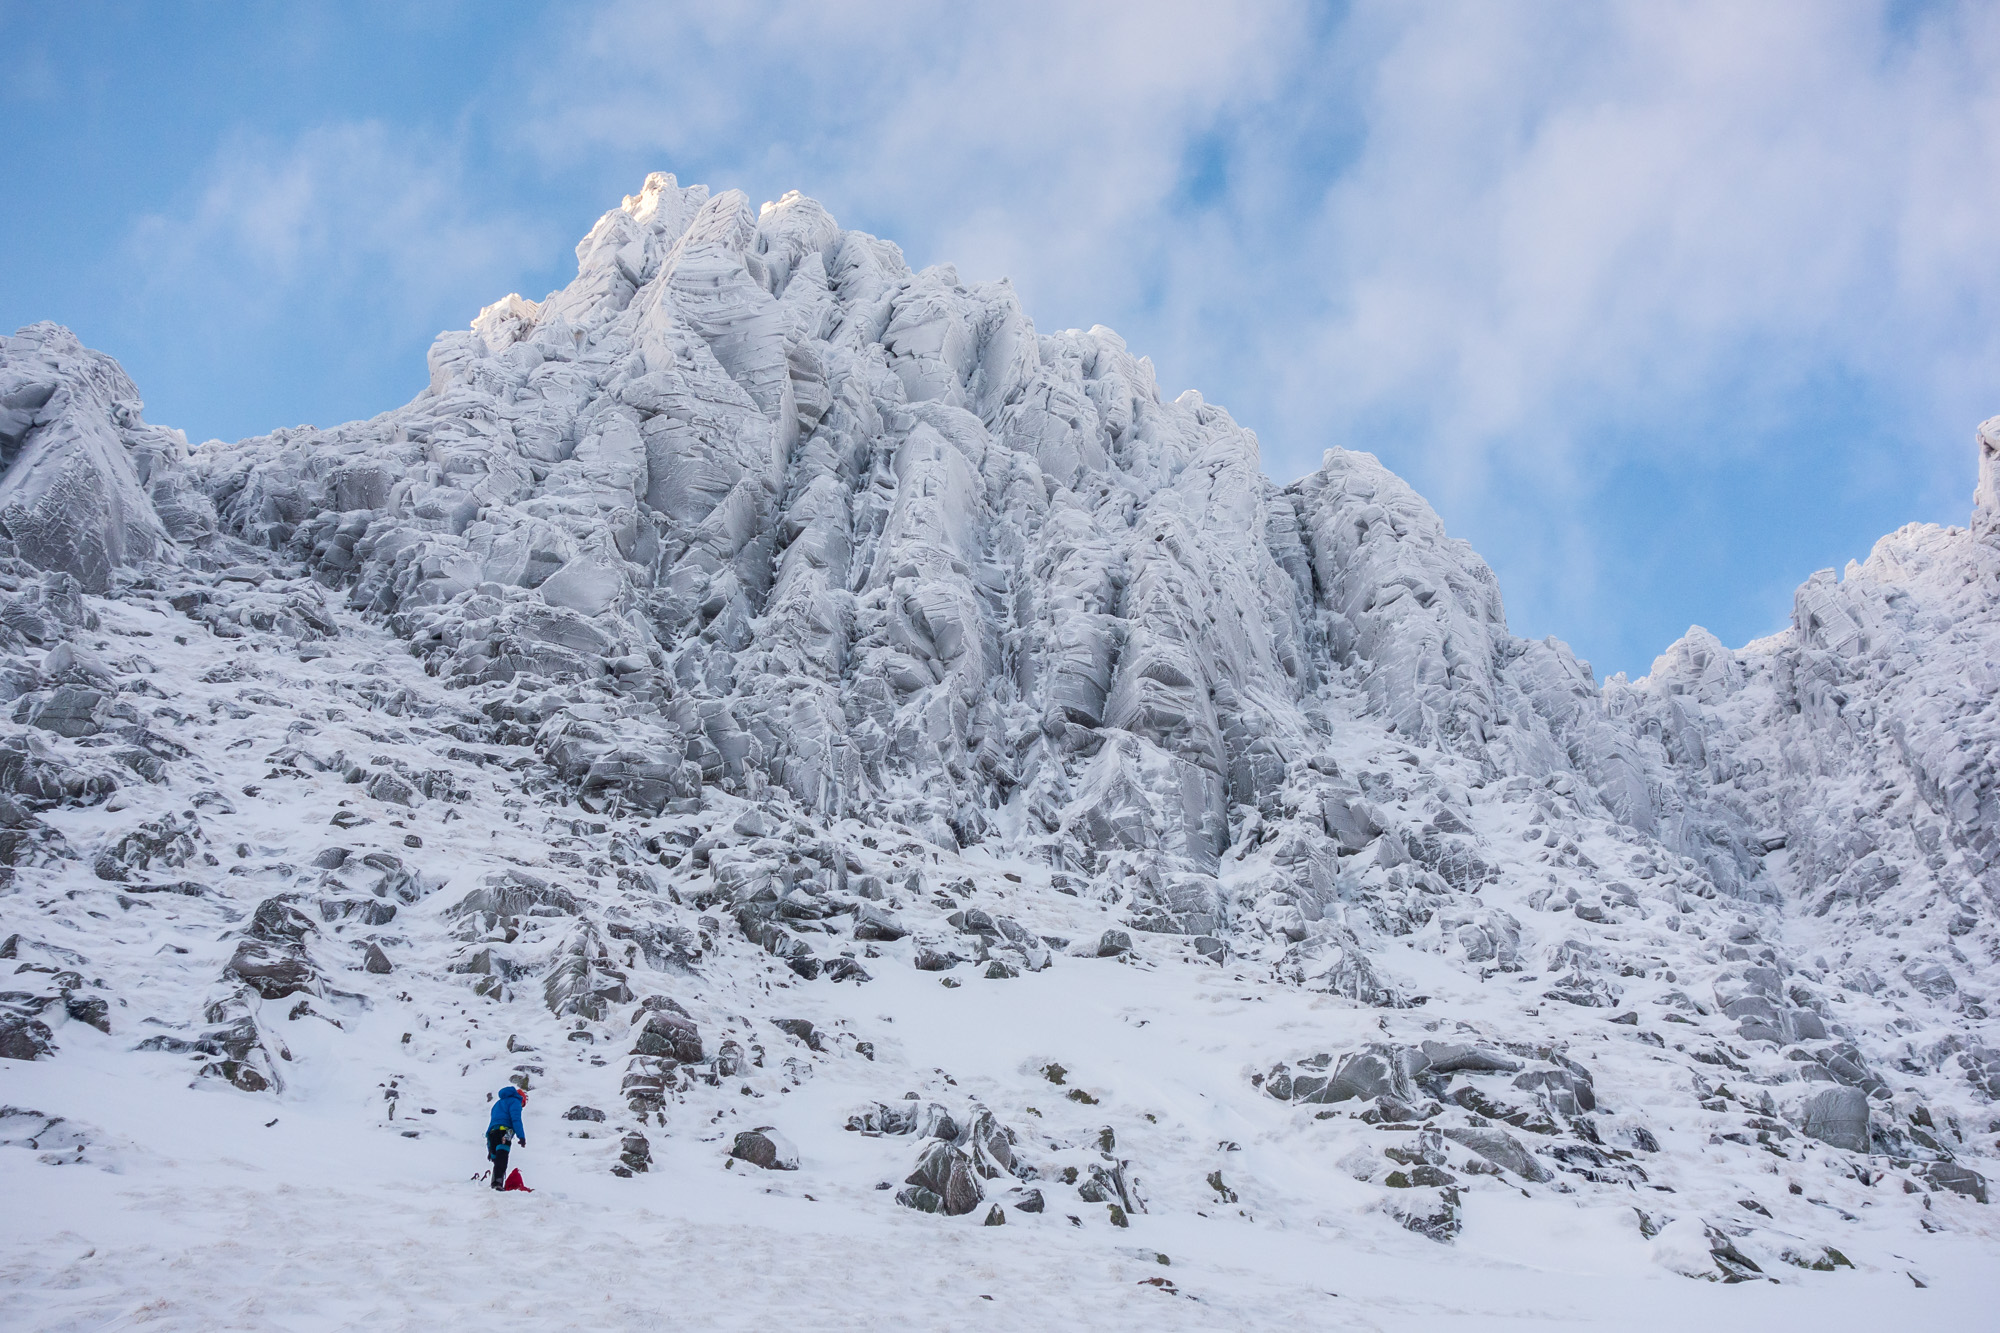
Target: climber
{"type": "Point", "coordinates": [505, 1129]}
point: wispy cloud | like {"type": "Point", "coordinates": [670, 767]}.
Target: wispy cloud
{"type": "Point", "coordinates": [306, 274]}
{"type": "Point", "coordinates": [1040, 141]}
{"type": "Point", "coordinates": [1602, 210]}
{"type": "Point", "coordinates": [279, 223]}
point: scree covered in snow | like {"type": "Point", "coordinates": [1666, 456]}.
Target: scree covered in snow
{"type": "Point", "coordinates": [944, 842]}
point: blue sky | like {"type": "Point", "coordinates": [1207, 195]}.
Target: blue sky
{"type": "Point", "coordinates": [1662, 306]}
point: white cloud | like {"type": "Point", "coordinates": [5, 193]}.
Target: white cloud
{"type": "Point", "coordinates": [1039, 141]}
{"type": "Point", "coordinates": [278, 226]}
{"type": "Point", "coordinates": [1556, 222]}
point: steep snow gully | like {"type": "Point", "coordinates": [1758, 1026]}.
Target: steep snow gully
{"type": "Point", "coordinates": [943, 839]}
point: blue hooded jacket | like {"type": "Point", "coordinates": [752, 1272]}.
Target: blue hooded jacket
{"type": "Point", "coordinates": [507, 1111]}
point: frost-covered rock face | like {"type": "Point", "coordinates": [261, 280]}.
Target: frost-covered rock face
{"type": "Point", "coordinates": [755, 616]}
{"type": "Point", "coordinates": [89, 487]}
{"type": "Point", "coordinates": [751, 503]}
{"type": "Point", "coordinates": [1847, 766]}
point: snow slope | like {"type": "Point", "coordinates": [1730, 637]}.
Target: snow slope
{"type": "Point", "coordinates": [951, 832]}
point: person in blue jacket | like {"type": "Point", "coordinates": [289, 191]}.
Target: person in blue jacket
{"type": "Point", "coordinates": [505, 1129]}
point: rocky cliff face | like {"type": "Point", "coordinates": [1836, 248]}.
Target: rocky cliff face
{"type": "Point", "coordinates": [1850, 758]}
{"type": "Point", "coordinates": [762, 609]}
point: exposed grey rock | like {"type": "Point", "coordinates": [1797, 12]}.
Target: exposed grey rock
{"type": "Point", "coordinates": [1376, 1071]}
{"type": "Point", "coordinates": [934, 960]}
{"type": "Point", "coordinates": [1732, 1263]}
{"type": "Point", "coordinates": [872, 922]}
{"type": "Point", "coordinates": [1445, 1057]}
{"type": "Point", "coordinates": [69, 710]}
{"type": "Point", "coordinates": [23, 1037]}
{"type": "Point", "coordinates": [1956, 1177]}
{"type": "Point", "coordinates": [944, 1179]}
{"type": "Point", "coordinates": [582, 981]}
{"type": "Point", "coordinates": [802, 1029]}
{"type": "Point", "coordinates": [1838, 1117]}
{"type": "Point", "coordinates": [765, 1147]}
{"type": "Point", "coordinates": [1502, 1149]}
{"type": "Point", "coordinates": [1430, 1212]}
{"type": "Point", "coordinates": [670, 1034]}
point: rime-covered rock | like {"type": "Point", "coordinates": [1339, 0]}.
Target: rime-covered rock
{"type": "Point", "coordinates": [78, 457]}
{"type": "Point", "coordinates": [1838, 1116]}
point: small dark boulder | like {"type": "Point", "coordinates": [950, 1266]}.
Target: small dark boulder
{"type": "Point", "coordinates": [1502, 1149]}
{"type": "Point", "coordinates": [931, 960]}
{"type": "Point", "coordinates": [946, 1171]}
{"type": "Point", "coordinates": [23, 1038]}
{"type": "Point", "coordinates": [272, 970]}
{"type": "Point", "coordinates": [1955, 1177]}
{"type": "Point", "coordinates": [919, 1198]}
{"type": "Point", "coordinates": [877, 923]}
{"type": "Point", "coordinates": [391, 790]}
{"type": "Point", "coordinates": [802, 1029]}
{"type": "Point", "coordinates": [1735, 1265]}
{"type": "Point", "coordinates": [1422, 1175]}
{"type": "Point", "coordinates": [1448, 1057]}
{"type": "Point", "coordinates": [765, 1147]}
{"type": "Point", "coordinates": [89, 1009]}
{"type": "Point", "coordinates": [70, 710]}
{"type": "Point", "coordinates": [672, 1035]}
